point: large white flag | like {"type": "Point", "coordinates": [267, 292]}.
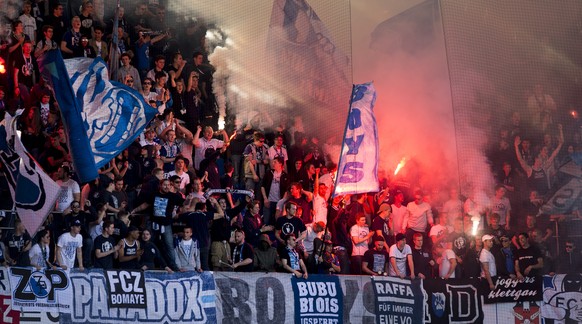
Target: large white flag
{"type": "Point", "coordinates": [34, 193]}
{"type": "Point", "coordinates": [358, 163]}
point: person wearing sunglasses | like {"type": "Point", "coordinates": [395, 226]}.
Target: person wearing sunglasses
{"type": "Point", "coordinates": [570, 259]}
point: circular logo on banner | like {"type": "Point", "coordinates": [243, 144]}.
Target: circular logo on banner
{"type": "Point", "coordinates": [39, 284]}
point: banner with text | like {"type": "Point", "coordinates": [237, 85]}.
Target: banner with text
{"type": "Point", "coordinates": [454, 301]}
{"type": "Point", "coordinates": [44, 290]}
{"type": "Point", "coordinates": [318, 299]}
{"type": "Point", "coordinates": [187, 297]}
{"type": "Point", "coordinates": [512, 290]}
{"type": "Point", "coordinates": [126, 288]}
{"type": "Point", "coordinates": [399, 300]}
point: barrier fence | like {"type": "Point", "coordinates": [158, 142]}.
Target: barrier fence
{"type": "Point", "coordinates": [130, 296]}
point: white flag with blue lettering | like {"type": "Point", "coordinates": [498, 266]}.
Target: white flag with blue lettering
{"type": "Point", "coordinates": [34, 192]}
{"type": "Point", "coordinates": [358, 163]}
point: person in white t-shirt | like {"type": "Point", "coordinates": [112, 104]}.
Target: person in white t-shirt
{"type": "Point", "coordinates": [439, 231]}
{"type": "Point", "coordinates": [70, 246]}
{"type": "Point", "coordinates": [487, 260]}
{"type": "Point", "coordinates": [448, 260]}
{"type": "Point", "coordinates": [400, 257]}
{"type": "Point", "coordinates": [453, 208]}
{"type": "Point", "coordinates": [361, 235]}
{"type": "Point", "coordinates": [319, 202]}
{"type": "Point", "coordinates": [39, 254]}
{"type": "Point", "coordinates": [399, 213]}
{"type": "Point", "coordinates": [70, 190]}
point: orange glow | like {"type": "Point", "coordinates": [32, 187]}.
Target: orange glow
{"type": "Point", "coordinates": [400, 165]}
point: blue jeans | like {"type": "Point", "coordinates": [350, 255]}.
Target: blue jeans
{"type": "Point", "coordinates": [166, 245]}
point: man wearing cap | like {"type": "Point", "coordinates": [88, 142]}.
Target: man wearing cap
{"type": "Point", "coordinates": [376, 260]}
{"type": "Point", "coordinates": [488, 267]}
{"type": "Point", "coordinates": [328, 262]}
{"type": "Point", "coordinates": [400, 256]}
{"type": "Point", "coordinates": [69, 247]}
{"type": "Point", "coordinates": [381, 224]}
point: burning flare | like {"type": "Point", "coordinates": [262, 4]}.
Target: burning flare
{"type": "Point", "coordinates": [400, 165]}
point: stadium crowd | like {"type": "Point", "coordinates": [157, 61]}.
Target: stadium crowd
{"type": "Point", "coordinates": [160, 204]}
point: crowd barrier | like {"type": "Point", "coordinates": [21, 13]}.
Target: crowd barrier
{"type": "Point", "coordinates": [127, 296]}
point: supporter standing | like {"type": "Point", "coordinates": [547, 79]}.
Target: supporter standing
{"type": "Point", "coordinates": [198, 219]}
{"type": "Point", "coordinates": [401, 258]}
{"type": "Point", "coordinates": [273, 188]}
{"type": "Point", "coordinates": [105, 248]}
{"type": "Point", "coordinates": [151, 258]}
{"type": "Point", "coordinates": [290, 260]}
{"type": "Point", "coordinates": [17, 246]}
{"type": "Point", "coordinates": [448, 260]}
{"type": "Point", "coordinates": [71, 41]}
{"type": "Point", "coordinates": [422, 258]}
{"type": "Point", "coordinates": [69, 248]}
{"type": "Point", "coordinates": [242, 253]}
{"type": "Point", "coordinates": [202, 144]}
{"type": "Point", "coordinates": [129, 249]}
{"type": "Point", "coordinates": [488, 264]}
{"type": "Point", "coordinates": [290, 224]}
{"type": "Point", "coordinates": [361, 235]}
{"type": "Point", "coordinates": [256, 162]}
{"type": "Point", "coordinates": [266, 257]}
{"type": "Point", "coordinates": [382, 224]}
{"type": "Point", "coordinates": [376, 260]}
{"type": "Point", "coordinates": [419, 216]}
{"type": "Point", "coordinates": [40, 252]}
{"type": "Point", "coordinates": [188, 253]}
{"type": "Point", "coordinates": [70, 190]}
{"type": "Point", "coordinates": [399, 214]}
{"type": "Point", "coordinates": [528, 259]}
{"type": "Point", "coordinates": [165, 206]}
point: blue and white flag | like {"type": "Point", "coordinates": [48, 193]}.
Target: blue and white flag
{"type": "Point", "coordinates": [102, 117]}
{"type": "Point", "coordinates": [33, 191]}
{"type": "Point", "coordinates": [358, 163]}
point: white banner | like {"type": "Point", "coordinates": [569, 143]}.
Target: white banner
{"type": "Point", "coordinates": [358, 163]}
{"type": "Point", "coordinates": [41, 290]}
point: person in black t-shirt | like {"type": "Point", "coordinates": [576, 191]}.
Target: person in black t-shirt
{"type": "Point", "coordinates": [17, 245]}
{"type": "Point", "coordinates": [422, 259]}
{"type": "Point", "coordinates": [528, 259]}
{"type": "Point", "coordinates": [242, 254]}
{"type": "Point", "coordinates": [165, 208]}
{"type": "Point", "coordinates": [376, 260]}
{"type": "Point", "coordinates": [105, 248]}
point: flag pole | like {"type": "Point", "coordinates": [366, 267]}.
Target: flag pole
{"type": "Point", "coordinates": [336, 171]}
